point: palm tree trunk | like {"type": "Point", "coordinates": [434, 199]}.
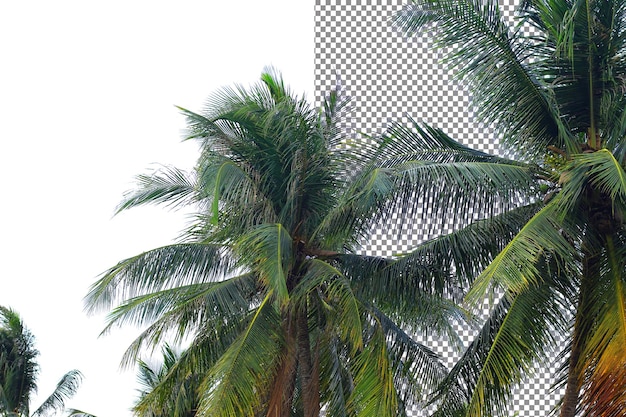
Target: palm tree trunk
{"type": "Point", "coordinates": [281, 397]}
{"type": "Point", "coordinates": [308, 372]}
{"type": "Point", "coordinates": [572, 389]}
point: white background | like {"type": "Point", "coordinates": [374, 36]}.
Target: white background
{"type": "Point", "coordinates": [87, 95]}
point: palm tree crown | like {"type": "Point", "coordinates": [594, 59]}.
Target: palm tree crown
{"type": "Point", "coordinates": [284, 316]}
{"type": "Point", "coordinates": [19, 369]}
{"type": "Point", "coordinates": [553, 87]}
{"type": "Point", "coordinates": [182, 401]}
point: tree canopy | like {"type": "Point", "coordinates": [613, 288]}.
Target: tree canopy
{"type": "Point", "coordinates": [19, 370]}
{"type": "Point", "coordinates": [553, 87]}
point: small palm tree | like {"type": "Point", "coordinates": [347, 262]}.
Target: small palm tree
{"type": "Point", "coordinates": [554, 88]}
{"type": "Point", "coordinates": [18, 372]}
{"type": "Point", "coordinates": [285, 316]}
{"type": "Point", "coordinates": [182, 401]}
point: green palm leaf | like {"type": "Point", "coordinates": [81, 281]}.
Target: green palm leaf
{"type": "Point", "coordinates": [177, 312]}
{"type": "Point", "coordinates": [176, 264]}
{"type": "Point", "coordinates": [65, 389]}
{"type": "Point", "coordinates": [490, 58]}
{"type": "Point", "coordinates": [416, 367]}
{"type": "Point", "coordinates": [167, 185]}
{"type": "Point", "coordinates": [515, 267]}
{"type": "Point", "coordinates": [604, 172]}
{"type": "Point", "coordinates": [269, 249]}
{"type": "Point", "coordinates": [374, 393]}
{"type": "Point", "coordinates": [238, 380]}
{"type": "Point", "coordinates": [460, 187]}
{"type": "Point", "coordinates": [335, 294]}
{"type": "Point", "coordinates": [506, 349]}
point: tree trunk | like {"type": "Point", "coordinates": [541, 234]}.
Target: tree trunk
{"type": "Point", "coordinates": [309, 377]}
{"type": "Point", "coordinates": [572, 390]}
{"type": "Point", "coordinates": [281, 397]}
{"type": "Point", "coordinates": [574, 373]}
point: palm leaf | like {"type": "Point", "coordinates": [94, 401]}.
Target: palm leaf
{"type": "Point", "coordinates": [505, 351]}
{"type": "Point", "coordinates": [421, 142]}
{"type": "Point", "coordinates": [180, 311]}
{"type": "Point", "coordinates": [268, 248]}
{"type": "Point", "coordinates": [490, 59]}
{"type": "Point", "coordinates": [65, 389]}
{"type": "Point", "coordinates": [452, 190]}
{"type": "Point", "coordinates": [168, 185]}
{"type": "Point", "coordinates": [416, 367]}
{"type": "Point", "coordinates": [72, 412]}
{"type": "Point", "coordinates": [604, 172]}
{"type": "Point", "coordinates": [374, 393]}
{"type": "Point", "coordinates": [335, 293]}
{"type": "Point", "coordinates": [444, 264]}
{"type": "Point", "coordinates": [167, 266]}
{"type": "Point", "coordinates": [515, 267]}
{"type": "Point", "coordinates": [236, 383]}
{"type": "Point", "coordinates": [193, 364]}
{"type": "Point", "coordinates": [605, 363]}
{"type": "Point", "coordinates": [179, 400]}
{"type": "Point", "coordinates": [335, 382]}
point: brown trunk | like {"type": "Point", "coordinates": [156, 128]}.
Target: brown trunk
{"type": "Point", "coordinates": [308, 369]}
{"type": "Point", "coordinates": [572, 390]}
{"type": "Point", "coordinates": [281, 397]}
{"type": "Point", "coordinates": [574, 373]}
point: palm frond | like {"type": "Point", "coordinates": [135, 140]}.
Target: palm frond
{"type": "Point", "coordinates": [604, 361]}
{"type": "Point", "coordinates": [73, 412]}
{"type": "Point", "coordinates": [268, 249]}
{"type": "Point", "coordinates": [416, 367]}
{"type": "Point", "coordinates": [417, 141]}
{"type": "Point", "coordinates": [238, 381]}
{"type": "Point", "coordinates": [360, 204]}
{"type": "Point", "coordinates": [191, 367]}
{"type": "Point", "coordinates": [490, 59]}
{"type": "Point", "coordinates": [179, 399]}
{"type": "Point", "coordinates": [504, 352]}
{"type": "Point", "coordinates": [515, 268]}
{"type": "Point", "coordinates": [181, 311]}
{"type": "Point", "coordinates": [167, 185]}
{"type": "Point", "coordinates": [231, 191]}
{"type": "Point", "coordinates": [167, 266]}
{"type": "Point", "coordinates": [452, 191]}
{"type": "Point", "coordinates": [18, 365]}
{"type": "Point", "coordinates": [335, 109]}
{"type": "Point", "coordinates": [603, 171]}
{"type": "Point", "coordinates": [374, 393]}
{"type": "Point", "coordinates": [448, 263]}
{"type": "Point", "coordinates": [342, 308]}
{"type": "Point", "coordinates": [189, 304]}
{"type": "Point", "coordinates": [65, 389]}
{"type": "Point", "coordinates": [336, 382]}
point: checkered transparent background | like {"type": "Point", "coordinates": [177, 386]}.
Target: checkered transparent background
{"type": "Point", "coordinates": [388, 77]}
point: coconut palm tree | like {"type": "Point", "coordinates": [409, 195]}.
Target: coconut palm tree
{"type": "Point", "coordinates": [182, 401]}
{"type": "Point", "coordinates": [18, 372]}
{"type": "Point", "coordinates": [283, 314]}
{"type": "Point", "coordinates": [553, 88]}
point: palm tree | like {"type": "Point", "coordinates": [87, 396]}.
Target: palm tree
{"type": "Point", "coordinates": [182, 401]}
{"type": "Point", "coordinates": [284, 315]}
{"type": "Point", "coordinates": [18, 372]}
{"type": "Point", "coordinates": [553, 87]}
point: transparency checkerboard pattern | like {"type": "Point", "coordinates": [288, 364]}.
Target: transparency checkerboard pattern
{"type": "Point", "coordinates": [388, 78]}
